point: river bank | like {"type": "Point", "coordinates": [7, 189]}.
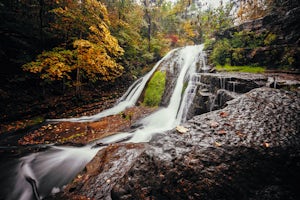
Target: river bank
{"type": "Point", "coordinates": [33, 130]}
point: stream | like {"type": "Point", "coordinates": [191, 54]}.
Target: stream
{"type": "Point", "coordinates": [38, 174]}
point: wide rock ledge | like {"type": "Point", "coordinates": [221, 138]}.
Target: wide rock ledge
{"type": "Point", "coordinates": [247, 150]}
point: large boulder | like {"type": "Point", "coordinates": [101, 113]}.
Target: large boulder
{"type": "Point", "coordinates": [248, 150]}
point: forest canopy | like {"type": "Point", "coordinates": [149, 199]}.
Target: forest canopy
{"type": "Point", "coordinates": [80, 42]}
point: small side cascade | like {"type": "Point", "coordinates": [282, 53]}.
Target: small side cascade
{"type": "Point", "coordinates": [194, 85]}
{"type": "Point", "coordinates": [222, 82]}
{"type": "Point", "coordinates": [191, 92]}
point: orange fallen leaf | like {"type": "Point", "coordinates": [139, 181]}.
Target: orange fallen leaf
{"type": "Point", "coordinates": [222, 132]}
{"type": "Point", "coordinates": [239, 133]}
{"type": "Point", "coordinates": [224, 114]}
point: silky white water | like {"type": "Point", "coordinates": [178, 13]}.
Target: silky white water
{"type": "Point", "coordinates": [127, 100]}
{"type": "Point", "coordinates": [50, 170]}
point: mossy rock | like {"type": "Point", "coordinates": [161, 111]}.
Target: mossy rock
{"type": "Point", "coordinates": [155, 89]}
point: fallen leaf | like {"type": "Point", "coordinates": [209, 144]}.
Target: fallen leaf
{"type": "Point", "coordinates": [224, 114]}
{"type": "Point", "coordinates": [239, 133]}
{"type": "Point", "coordinates": [217, 144]}
{"type": "Point", "coordinates": [214, 124]}
{"type": "Point", "coordinates": [266, 144]}
{"type": "Point", "coordinates": [222, 132]}
{"type": "Point", "coordinates": [227, 124]}
{"type": "Point", "coordinates": [181, 129]}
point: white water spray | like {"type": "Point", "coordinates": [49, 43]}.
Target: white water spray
{"type": "Point", "coordinates": [49, 170]}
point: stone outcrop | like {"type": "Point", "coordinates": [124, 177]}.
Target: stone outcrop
{"type": "Point", "coordinates": [247, 150]}
{"type": "Point", "coordinates": [283, 24]}
{"type": "Point", "coordinates": [213, 90]}
{"type": "Point", "coordinates": [102, 173]}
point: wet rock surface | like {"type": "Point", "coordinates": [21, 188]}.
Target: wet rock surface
{"type": "Point", "coordinates": [102, 173]}
{"type": "Point", "coordinates": [248, 150]}
{"type": "Point", "coordinates": [214, 90]}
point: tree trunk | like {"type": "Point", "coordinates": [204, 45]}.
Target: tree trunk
{"type": "Point", "coordinates": [78, 83]}
{"type": "Point", "coordinates": [41, 16]}
{"type": "Point", "coordinates": [148, 17]}
{"type": "Point", "coordinates": [149, 34]}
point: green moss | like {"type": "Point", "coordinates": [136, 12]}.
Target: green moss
{"type": "Point", "coordinates": [270, 39]}
{"type": "Point", "coordinates": [249, 69]}
{"type": "Point", "coordinates": [72, 137]}
{"type": "Point", "coordinates": [185, 84]}
{"type": "Point", "coordinates": [155, 89]}
{"type": "Point", "coordinates": [34, 121]}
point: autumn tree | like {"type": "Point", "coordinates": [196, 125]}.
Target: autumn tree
{"type": "Point", "coordinates": [87, 39]}
{"type": "Point", "coordinates": [126, 22]}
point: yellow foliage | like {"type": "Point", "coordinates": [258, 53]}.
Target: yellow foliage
{"type": "Point", "coordinates": [188, 29]}
{"type": "Point", "coordinates": [96, 62]}
{"type": "Point", "coordinates": [53, 65]}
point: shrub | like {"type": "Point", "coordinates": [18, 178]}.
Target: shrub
{"type": "Point", "coordinates": [271, 37]}
{"type": "Point", "coordinates": [221, 53]}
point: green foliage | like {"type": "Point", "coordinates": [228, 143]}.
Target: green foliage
{"type": "Point", "coordinates": [212, 21]}
{"type": "Point", "coordinates": [248, 69]}
{"type": "Point", "coordinates": [289, 57]}
{"type": "Point", "coordinates": [271, 37]}
{"type": "Point", "coordinates": [238, 56]}
{"type": "Point", "coordinates": [247, 39]}
{"type": "Point", "coordinates": [221, 52]}
{"type": "Point", "coordinates": [155, 89]}
{"type": "Point", "coordinates": [242, 47]}
{"type": "Point", "coordinates": [209, 44]}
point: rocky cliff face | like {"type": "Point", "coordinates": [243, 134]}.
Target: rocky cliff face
{"type": "Point", "coordinates": [281, 34]}
{"type": "Point", "coordinates": [215, 89]}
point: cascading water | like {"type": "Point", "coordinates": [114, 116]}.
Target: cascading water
{"type": "Point", "coordinates": [38, 174]}
{"type": "Point", "coordinates": [48, 171]}
{"type": "Point", "coordinates": [127, 100]}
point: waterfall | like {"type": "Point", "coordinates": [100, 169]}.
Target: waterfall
{"type": "Point", "coordinates": [127, 100]}
{"type": "Point", "coordinates": [51, 169]}
{"type": "Point", "coordinates": [168, 117]}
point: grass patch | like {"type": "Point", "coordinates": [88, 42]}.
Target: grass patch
{"type": "Point", "coordinates": [249, 69]}
{"type": "Point", "coordinates": [155, 89]}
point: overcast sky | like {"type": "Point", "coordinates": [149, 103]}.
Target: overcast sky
{"type": "Point", "coordinates": [214, 3]}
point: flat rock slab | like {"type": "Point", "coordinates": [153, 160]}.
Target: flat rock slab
{"type": "Point", "coordinates": [248, 150]}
